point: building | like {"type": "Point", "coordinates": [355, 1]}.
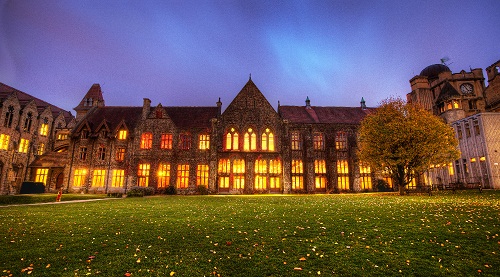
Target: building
{"type": "Point", "coordinates": [29, 129]}
{"type": "Point", "coordinates": [248, 148]}
{"type": "Point", "coordinates": [465, 102]}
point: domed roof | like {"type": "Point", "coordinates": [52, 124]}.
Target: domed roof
{"type": "Point", "coordinates": [432, 71]}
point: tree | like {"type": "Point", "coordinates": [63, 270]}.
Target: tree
{"type": "Point", "coordinates": [404, 140]}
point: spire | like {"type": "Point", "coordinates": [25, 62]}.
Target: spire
{"type": "Point", "coordinates": [363, 103]}
{"type": "Point", "coordinates": [250, 77]}
{"type": "Point", "coordinates": [308, 102]}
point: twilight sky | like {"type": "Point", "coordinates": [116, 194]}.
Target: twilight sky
{"type": "Point", "coordinates": [190, 53]}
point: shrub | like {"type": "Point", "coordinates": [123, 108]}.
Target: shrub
{"type": "Point", "coordinates": [202, 190]}
{"type": "Point", "coordinates": [171, 190]}
{"type": "Point", "coordinates": [140, 191]}
{"type": "Point", "coordinates": [382, 185]}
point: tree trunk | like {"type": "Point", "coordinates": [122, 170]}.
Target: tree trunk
{"type": "Point", "coordinates": [401, 180]}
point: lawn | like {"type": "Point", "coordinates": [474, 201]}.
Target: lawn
{"type": "Point", "coordinates": [291, 235]}
{"type": "Point", "coordinates": [44, 198]}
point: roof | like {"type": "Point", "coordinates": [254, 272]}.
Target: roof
{"type": "Point", "coordinates": [94, 93]}
{"type": "Point", "coordinates": [51, 159]}
{"type": "Point", "coordinates": [432, 71]}
{"type": "Point", "coordinates": [192, 117]}
{"type": "Point", "coordinates": [331, 115]}
{"type": "Point", "coordinates": [24, 99]}
{"type": "Point", "coordinates": [447, 92]}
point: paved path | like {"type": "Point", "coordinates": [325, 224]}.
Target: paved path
{"type": "Point", "coordinates": [55, 203]}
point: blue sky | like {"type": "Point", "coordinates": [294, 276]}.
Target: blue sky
{"type": "Point", "coordinates": [190, 53]}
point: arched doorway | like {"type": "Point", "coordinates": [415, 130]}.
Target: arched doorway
{"type": "Point", "coordinates": [59, 181]}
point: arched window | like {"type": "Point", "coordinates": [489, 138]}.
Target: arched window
{"type": "Point", "coordinates": [9, 115]}
{"type": "Point", "coordinates": [27, 122]}
{"type": "Point", "coordinates": [232, 140]}
{"type": "Point", "coordinates": [250, 140]}
{"type": "Point", "coordinates": [267, 140]}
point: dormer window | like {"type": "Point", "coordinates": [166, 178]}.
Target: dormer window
{"type": "Point", "coordinates": [122, 134]}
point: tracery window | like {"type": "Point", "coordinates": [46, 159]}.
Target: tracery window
{"type": "Point", "coordinates": [318, 141]}
{"type": "Point", "coordinates": [146, 140]}
{"type": "Point", "coordinates": [365, 177]}
{"type": "Point", "coordinates": [260, 174]}
{"type": "Point", "coordinates": [238, 174]}
{"type": "Point", "coordinates": [224, 169]}
{"type": "Point", "coordinates": [232, 140]}
{"type": "Point", "coordinates": [320, 174]}
{"type": "Point", "coordinates": [297, 174]}
{"type": "Point", "coordinates": [250, 140]}
{"type": "Point", "coordinates": [267, 140]}
{"type": "Point", "coordinates": [143, 175]}
{"type": "Point", "coordinates": [163, 175]}
{"type": "Point", "coordinates": [342, 174]}
{"type": "Point", "coordinates": [296, 141]}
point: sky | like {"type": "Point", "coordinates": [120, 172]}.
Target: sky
{"type": "Point", "coordinates": [191, 53]}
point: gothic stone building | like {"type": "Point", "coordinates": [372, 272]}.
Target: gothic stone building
{"type": "Point", "coordinates": [29, 129]}
{"type": "Point", "coordinates": [465, 102]}
{"type": "Point", "coordinates": [248, 148]}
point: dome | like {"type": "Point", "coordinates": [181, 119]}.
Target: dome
{"type": "Point", "coordinates": [432, 71]}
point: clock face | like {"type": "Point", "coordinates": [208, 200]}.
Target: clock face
{"type": "Point", "coordinates": [466, 88]}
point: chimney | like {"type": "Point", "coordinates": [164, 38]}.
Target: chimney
{"type": "Point", "coordinates": [146, 108]}
{"type": "Point", "coordinates": [219, 105]}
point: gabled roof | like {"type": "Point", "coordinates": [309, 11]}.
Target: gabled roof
{"type": "Point", "coordinates": [331, 115]}
{"type": "Point", "coordinates": [94, 93]}
{"type": "Point", "coordinates": [25, 99]}
{"type": "Point", "coordinates": [248, 95]}
{"type": "Point", "coordinates": [192, 117]}
{"type": "Point", "coordinates": [447, 92]}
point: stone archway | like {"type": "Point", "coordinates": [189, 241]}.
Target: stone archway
{"type": "Point", "coordinates": [59, 181]}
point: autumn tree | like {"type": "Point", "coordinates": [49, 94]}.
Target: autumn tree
{"type": "Point", "coordinates": [404, 140]}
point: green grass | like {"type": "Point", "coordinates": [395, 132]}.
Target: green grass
{"type": "Point", "coordinates": [44, 198]}
{"type": "Point", "coordinates": [309, 235]}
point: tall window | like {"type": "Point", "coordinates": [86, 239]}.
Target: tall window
{"type": "Point", "coordinates": [41, 148]}
{"type": "Point", "coordinates": [318, 141]}
{"type": "Point", "coordinates": [320, 174]}
{"type": "Point", "coordinates": [185, 141]}
{"type": "Point", "coordinates": [122, 134]}
{"type": "Point", "coordinates": [467, 130]}
{"type": "Point", "coordinates": [79, 177]}
{"type": "Point", "coordinates": [44, 129]}
{"type": "Point", "coordinates": [342, 174]}
{"type": "Point", "coordinates": [9, 115]}
{"type": "Point", "coordinates": [101, 153]}
{"type": "Point", "coordinates": [164, 175]}
{"type": "Point", "coordinates": [23, 146]}
{"type": "Point", "coordinates": [118, 178]}
{"type": "Point", "coordinates": [146, 140]}
{"type": "Point", "coordinates": [224, 169]}
{"type": "Point", "coordinates": [260, 174]}
{"type": "Point", "coordinates": [459, 132]}
{"type": "Point", "coordinates": [297, 174]}
{"type": "Point", "coordinates": [296, 142]}
{"type": "Point", "coordinates": [250, 140]}
{"type": "Point", "coordinates": [341, 140]}
{"type": "Point", "coordinates": [27, 122]}
{"type": "Point", "coordinates": [202, 175]}
{"type": "Point", "coordinates": [267, 140]}
{"type": "Point", "coordinates": [477, 131]}
{"type": "Point", "coordinates": [99, 178]}
{"type": "Point", "coordinates": [4, 141]}
{"type": "Point", "coordinates": [274, 174]}
{"type": "Point", "coordinates": [182, 176]}
{"type": "Point", "coordinates": [41, 175]}
{"type": "Point", "coordinates": [239, 174]}
{"type": "Point", "coordinates": [83, 153]}
{"type": "Point", "coordinates": [204, 142]}
{"type": "Point", "coordinates": [166, 141]}
{"type": "Point", "coordinates": [120, 154]}
{"type": "Point", "coordinates": [365, 177]}
{"type": "Point", "coordinates": [232, 140]}
{"type": "Point", "coordinates": [143, 175]}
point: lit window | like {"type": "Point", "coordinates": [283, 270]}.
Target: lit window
{"type": "Point", "coordinates": [143, 175]}
{"type": "Point", "coordinates": [343, 182]}
{"type": "Point", "coordinates": [120, 154]}
{"type": "Point", "coordinates": [232, 142]}
{"type": "Point", "coordinates": [79, 177]}
{"type": "Point", "coordinates": [44, 129]}
{"type": "Point", "coordinates": [164, 175]}
{"type": "Point", "coordinates": [238, 182]}
{"type": "Point", "coordinates": [319, 167]}
{"type": "Point", "coordinates": [341, 140]}
{"type": "Point", "coordinates": [118, 178]}
{"type": "Point", "coordinates": [260, 174]}
{"type": "Point", "coordinates": [267, 141]}
{"type": "Point", "coordinates": [320, 174]}
{"type": "Point", "coordinates": [482, 159]}
{"type": "Point", "coordinates": [365, 177]}
{"type": "Point", "coordinates": [182, 176]}
{"type": "Point", "coordinates": [202, 175]}
{"type": "Point", "coordinates": [238, 166]}
{"type": "Point", "coordinates": [122, 134]}
{"type": "Point", "coordinates": [451, 171]}
{"type": "Point", "coordinates": [275, 166]}
{"type": "Point", "coordinates": [204, 142]}
{"type": "Point", "coordinates": [4, 141]}
{"type": "Point", "coordinates": [250, 140]}
{"type": "Point", "coordinates": [318, 141]}
{"type": "Point", "coordinates": [146, 141]}
{"type": "Point", "coordinates": [342, 174]}
{"type": "Point", "coordinates": [62, 136]}
{"type": "Point", "coordinates": [23, 146]}
{"type": "Point", "coordinates": [297, 174]}
{"type": "Point", "coordinates": [224, 182]}
{"type": "Point", "coordinates": [224, 166]}
{"type": "Point", "coordinates": [342, 167]}
{"type": "Point", "coordinates": [41, 175]}
{"type": "Point", "coordinates": [296, 142]}
{"type": "Point", "coordinates": [101, 153]}
{"type": "Point", "coordinates": [83, 153]}
{"type": "Point", "coordinates": [185, 141]}
{"type": "Point", "coordinates": [41, 149]}
{"type": "Point", "coordinates": [166, 141]}
{"type": "Point", "coordinates": [98, 178]}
